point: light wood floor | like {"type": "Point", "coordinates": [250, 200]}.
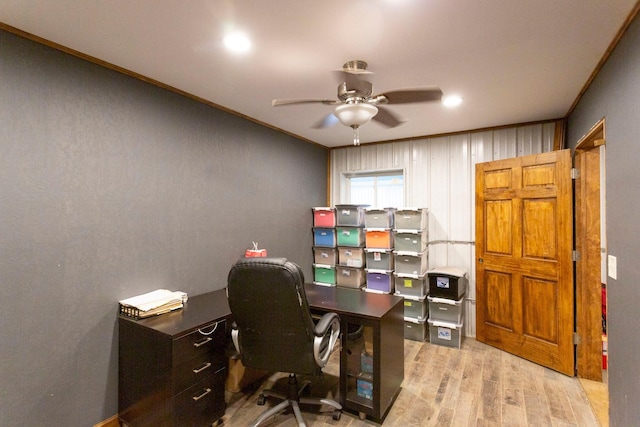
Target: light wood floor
{"type": "Point", "coordinates": [474, 386]}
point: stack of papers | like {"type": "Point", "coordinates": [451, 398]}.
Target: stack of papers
{"type": "Point", "coordinates": [152, 303]}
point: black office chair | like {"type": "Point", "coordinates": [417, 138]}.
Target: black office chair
{"type": "Point", "coordinates": [273, 329]}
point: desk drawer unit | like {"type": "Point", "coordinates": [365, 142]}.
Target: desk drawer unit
{"type": "Point", "coordinates": [170, 376]}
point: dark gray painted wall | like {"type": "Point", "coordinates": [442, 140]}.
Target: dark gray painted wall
{"type": "Point", "coordinates": [112, 187]}
{"type": "Point", "coordinates": [615, 95]}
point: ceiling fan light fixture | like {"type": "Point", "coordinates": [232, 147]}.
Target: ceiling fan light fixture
{"type": "Point", "coordinates": [356, 114]}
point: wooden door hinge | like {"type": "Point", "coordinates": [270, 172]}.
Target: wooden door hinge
{"type": "Point", "coordinates": [575, 173]}
{"type": "Point", "coordinates": [576, 339]}
{"type": "Point", "coordinates": [575, 256]}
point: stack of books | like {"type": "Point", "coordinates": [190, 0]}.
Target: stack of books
{"type": "Point", "coordinates": [152, 303]}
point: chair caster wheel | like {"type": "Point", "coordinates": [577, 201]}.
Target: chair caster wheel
{"type": "Point", "coordinates": [261, 399]}
{"type": "Point", "coordinates": [336, 415]}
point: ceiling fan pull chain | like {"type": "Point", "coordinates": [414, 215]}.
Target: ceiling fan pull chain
{"type": "Point", "coordinates": [356, 134]}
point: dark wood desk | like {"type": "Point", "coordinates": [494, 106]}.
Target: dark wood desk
{"type": "Point", "coordinates": [372, 355]}
{"type": "Point", "coordinates": [172, 367]}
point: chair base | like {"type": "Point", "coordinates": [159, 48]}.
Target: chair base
{"type": "Point", "coordinates": [293, 399]}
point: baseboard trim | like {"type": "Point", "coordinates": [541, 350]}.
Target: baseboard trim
{"type": "Point", "coordinates": [109, 422]}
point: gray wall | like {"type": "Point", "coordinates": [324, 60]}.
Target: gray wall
{"type": "Point", "coordinates": [615, 95]}
{"type": "Point", "coordinates": [112, 187]}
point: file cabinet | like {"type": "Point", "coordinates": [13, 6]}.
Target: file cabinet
{"type": "Point", "coordinates": [172, 367]}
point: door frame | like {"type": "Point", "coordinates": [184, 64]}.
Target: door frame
{"type": "Point", "coordinates": [588, 244]}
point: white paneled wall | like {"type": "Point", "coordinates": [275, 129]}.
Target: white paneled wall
{"type": "Point", "coordinates": [440, 175]}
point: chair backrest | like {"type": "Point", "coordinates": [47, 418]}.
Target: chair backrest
{"type": "Point", "coordinates": [269, 306]}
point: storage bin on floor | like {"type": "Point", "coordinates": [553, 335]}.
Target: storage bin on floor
{"type": "Point", "coordinates": [325, 237]}
{"type": "Point", "coordinates": [378, 238]}
{"type": "Point", "coordinates": [351, 257]}
{"type": "Point", "coordinates": [415, 330]}
{"type": "Point", "coordinates": [416, 308]}
{"type": "Point", "coordinates": [445, 334]}
{"type": "Point", "coordinates": [379, 259]}
{"type": "Point", "coordinates": [324, 217]}
{"type": "Point", "coordinates": [411, 219]}
{"type": "Point", "coordinates": [350, 215]}
{"type": "Point", "coordinates": [326, 256]}
{"type": "Point", "coordinates": [410, 285]}
{"type": "Point", "coordinates": [378, 217]}
{"type": "Point", "coordinates": [410, 240]}
{"type": "Point", "coordinates": [350, 236]}
{"type": "Point", "coordinates": [324, 275]}
{"type": "Point", "coordinates": [411, 263]}
{"type": "Point", "coordinates": [350, 277]}
{"type": "Point", "coordinates": [379, 281]}
{"type": "Point", "coordinates": [445, 309]}
{"type": "Point", "coordinates": [447, 282]}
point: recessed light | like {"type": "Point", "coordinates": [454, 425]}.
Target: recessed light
{"type": "Point", "coordinates": [237, 42]}
{"type": "Point", "coordinates": [452, 101]}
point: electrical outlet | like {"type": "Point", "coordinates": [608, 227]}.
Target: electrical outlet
{"type": "Point", "coordinates": [612, 267]}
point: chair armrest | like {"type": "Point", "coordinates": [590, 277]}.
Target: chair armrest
{"type": "Point", "coordinates": [326, 331]}
{"type": "Point", "coordinates": [234, 336]}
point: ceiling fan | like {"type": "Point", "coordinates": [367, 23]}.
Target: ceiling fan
{"type": "Point", "coordinates": [357, 105]}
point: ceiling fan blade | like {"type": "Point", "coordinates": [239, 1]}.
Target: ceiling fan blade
{"type": "Point", "coordinates": [387, 118]}
{"type": "Point", "coordinates": [278, 102]}
{"type": "Point", "coordinates": [409, 96]}
{"type": "Point", "coordinates": [327, 121]}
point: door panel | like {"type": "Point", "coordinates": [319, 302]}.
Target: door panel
{"type": "Point", "coordinates": [524, 270]}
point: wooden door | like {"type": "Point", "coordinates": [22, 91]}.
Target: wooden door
{"type": "Point", "coordinates": [524, 267]}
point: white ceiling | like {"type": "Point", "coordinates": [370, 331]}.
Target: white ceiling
{"type": "Point", "coordinates": [511, 61]}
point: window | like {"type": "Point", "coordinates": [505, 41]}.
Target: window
{"type": "Point", "coordinates": [376, 189]}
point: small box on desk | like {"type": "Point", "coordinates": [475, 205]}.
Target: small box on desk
{"type": "Point", "coordinates": [447, 282]}
{"type": "Point", "coordinates": [365, 389]}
